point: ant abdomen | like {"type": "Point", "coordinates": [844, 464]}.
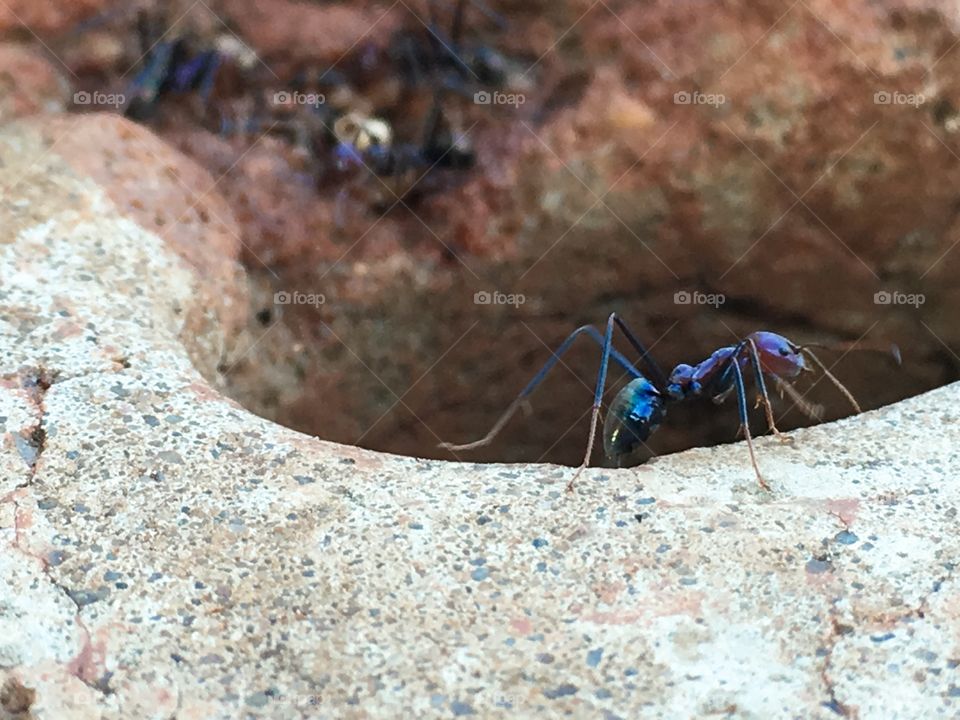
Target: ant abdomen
{"type": "Point", "coordinates": [636, 412]}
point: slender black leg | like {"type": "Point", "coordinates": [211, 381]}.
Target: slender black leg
{"type": "Point", "coordinates": [588, 330]}
{"type": "Point", "coordinates": [208, 78]}
{"type": "Point", "coordinates": [487, 12]}
{"type": "Point", "coordinates": [659, 378]}
{"type": "Point", "coordinates": [456, 28]}
{"type": "Point", "coordinates": [448, 46]}
{"type": "Point", "coordinates": [432, 127]}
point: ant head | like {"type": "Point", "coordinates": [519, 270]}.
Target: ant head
{"type": "Point", "coordinates": [681, 383]}
{"type": "Point", "coordinates": [778, 355]}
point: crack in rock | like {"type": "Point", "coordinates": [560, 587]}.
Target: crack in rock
{"type": "Point", "coordinates": [83, 666]}
{"type": "Point", "coordinates": [37, 382]}
{"type": "Point", "coordinates": [837, 631]}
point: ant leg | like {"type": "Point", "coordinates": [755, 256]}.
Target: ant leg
{"type": "Point", "coordinates": [449, 46]}
{"type": "Point", "coordinates": [811, 410]}
{"type": "Point", "coordinates": [764, 398]}
{"type": "Point", "coordinates": [208, 78]}
{"type": "Point", "coordinates": [433, 126]}
{"type": "Point", "coordinates": [538, 378]}
{"type": "Point", "coordinates": [745, 419]}
{"type": "Point", "coordinates": [597, 397]}
{"type": "Point", "coordinates": [408, 53]}
{"type": "Point", "coordinates": [615, 354]}
{"type": "Point", "coordinates": [456, 28]}
{"type": "Point", "coordinates": [494, 17]}
{"type": "Point", "coordinates": [144, 32]}
{"type": "Point", "coordinates": [833, 379]}
{"type": "Point", "coordinates": [658, 375]}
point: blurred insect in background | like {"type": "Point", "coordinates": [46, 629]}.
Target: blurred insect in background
{"type": "Point", "coordinates": [395, 125]}
{"type": "Point", "coordinates": [641, 406]}
{"type": "Point", "coordinates": [447, 60]}
{"type": "Point", "coordinates": [357, 151]}
{"type": "Point", "coordinates": [181, 64]}
{"type": "Point", "coordinates": [366, 146]}
{"type": "Point", "coordinates": [367, 141]}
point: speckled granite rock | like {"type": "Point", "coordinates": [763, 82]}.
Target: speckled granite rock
{"type": "Point", "coordinates": [169, 555]}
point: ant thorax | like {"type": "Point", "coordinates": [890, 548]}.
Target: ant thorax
{"type": "Point", "coordinates": [688, 381]}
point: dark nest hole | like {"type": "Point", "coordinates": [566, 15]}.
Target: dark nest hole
{"type": "Point", "coordinates": [398, 355]}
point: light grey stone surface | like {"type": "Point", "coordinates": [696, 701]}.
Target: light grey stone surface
{"type": "Point", "coordinates": [169, 555]}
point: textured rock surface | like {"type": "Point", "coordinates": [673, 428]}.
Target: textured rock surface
{"type": "Point", "coordinates": [168, 554]}
{"type": "Point", "coordinates": [30, 83]}
{"type": "Point", "coordinates": [48, 18]}
{"type": "Point", "coordinates": [175, 199]}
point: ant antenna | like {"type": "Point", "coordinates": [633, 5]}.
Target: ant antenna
{"type": "Point", "coordinates": [893, 350]}
{"type": "Point", "coordinates": [840, 386]}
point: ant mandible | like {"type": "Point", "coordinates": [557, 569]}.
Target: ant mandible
{"type": "Point", "coordinates": [641, 406]}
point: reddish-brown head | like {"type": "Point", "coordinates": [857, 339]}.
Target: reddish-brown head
{"type": "Point", "coordinates": [778, 355]}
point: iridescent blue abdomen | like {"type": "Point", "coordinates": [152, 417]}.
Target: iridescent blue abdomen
{"type": "Point", "coordinates": [636, 412]}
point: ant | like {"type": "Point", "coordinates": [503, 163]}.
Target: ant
{"type": "Point", "coordinates": [641, 406]}
{"type": "Point", "coordinates": [180, 65]}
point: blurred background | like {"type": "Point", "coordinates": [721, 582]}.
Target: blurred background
{"type": "Point", "coordinates": [428, 197]}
